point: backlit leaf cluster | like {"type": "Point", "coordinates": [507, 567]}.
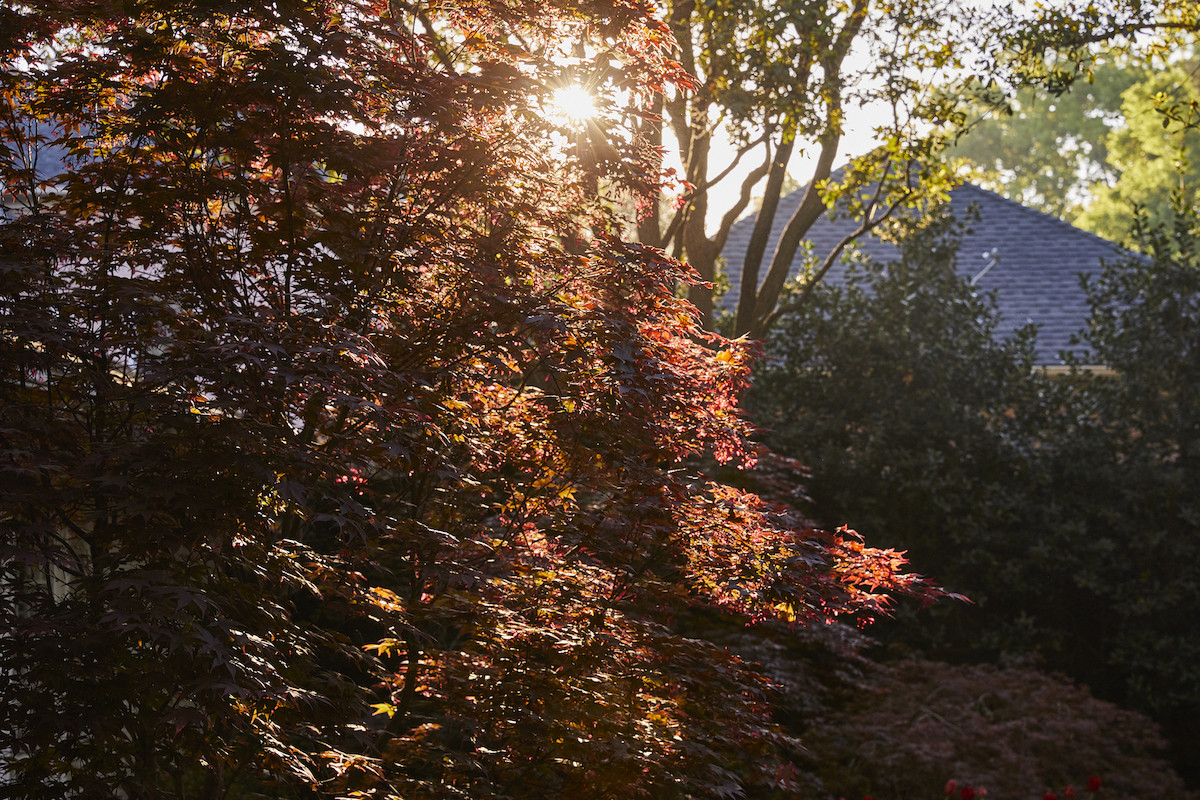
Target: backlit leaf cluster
{"type": "Point", "coordinates": [340, 430]}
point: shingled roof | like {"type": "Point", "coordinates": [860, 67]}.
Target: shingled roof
{"type": "Point", "coordinates": [1037, 261]}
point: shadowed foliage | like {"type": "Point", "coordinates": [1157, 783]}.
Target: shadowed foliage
{"type": "Point", "coordinates": [339, 429]}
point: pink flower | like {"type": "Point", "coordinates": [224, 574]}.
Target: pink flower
{"type": "Point", "coordinates": [951, 786]}
{"type": "Point", "coordinates": [1069, 792]}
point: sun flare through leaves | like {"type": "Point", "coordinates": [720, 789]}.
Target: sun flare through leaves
{"type": "Point", "coordinates": [573, 104]}
{"type": "Point", "coordinates": [345, 436]}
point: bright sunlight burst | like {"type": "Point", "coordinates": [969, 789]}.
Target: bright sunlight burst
{"type": "Point", "coordinates": [574, 103]}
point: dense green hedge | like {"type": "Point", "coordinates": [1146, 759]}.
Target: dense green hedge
{"type": "Point", "coordinates": [1068, 509]}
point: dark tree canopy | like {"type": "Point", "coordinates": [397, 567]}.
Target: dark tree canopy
{"type": "Point", "coordinates": [340, 431]}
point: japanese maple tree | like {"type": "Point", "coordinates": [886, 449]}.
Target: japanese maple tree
{"type": "Point", "coordinates": [340, 429]}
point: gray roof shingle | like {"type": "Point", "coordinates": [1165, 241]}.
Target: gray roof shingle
{"type": "Point", "coordinates": [1035, 277]}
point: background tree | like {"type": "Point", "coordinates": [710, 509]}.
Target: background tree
{"type": "Point", "coordinates": [1050, 152]}
{"type": "Point", "coordinates": [779, 79]}
{"type": "Point", "coordinates": [1155, 157]}
{"type": "Point", "coordinates": [338, 428]}
{"type": "Point", "coordinates": [785, 75]}
{"type": "Point", "coordinates": [1101, 146]}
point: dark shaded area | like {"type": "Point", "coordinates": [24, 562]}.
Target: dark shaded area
{"type": "Point", "coordinates": [1066, 508]}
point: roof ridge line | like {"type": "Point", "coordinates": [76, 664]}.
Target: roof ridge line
{"type": "Point", "coordinates": [1042, 214]}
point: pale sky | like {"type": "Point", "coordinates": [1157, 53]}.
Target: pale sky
{"type": "Point", "coordinates": [858, 139]}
